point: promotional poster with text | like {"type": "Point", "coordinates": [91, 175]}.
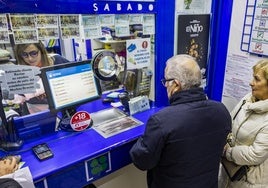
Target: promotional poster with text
{"type": "Point", "coordinates": [193, 37]}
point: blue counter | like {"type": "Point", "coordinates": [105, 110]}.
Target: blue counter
{"type": "Point", "coordinates": [82, 157]}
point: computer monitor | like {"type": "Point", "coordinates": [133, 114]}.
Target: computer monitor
{"type": "Point", "coordinates": [70, 85]}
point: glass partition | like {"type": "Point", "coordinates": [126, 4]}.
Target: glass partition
{"type": "Point", "coordinates": [69, 33]}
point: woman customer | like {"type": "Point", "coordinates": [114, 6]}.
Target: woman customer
{"type": "Point", "coordinates": [250, 133]}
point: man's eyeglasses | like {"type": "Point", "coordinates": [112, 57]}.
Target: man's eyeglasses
{"type": "Point", "coordinates": [166, 80]}
{"type": "Point", "coordinates": [31, 53]}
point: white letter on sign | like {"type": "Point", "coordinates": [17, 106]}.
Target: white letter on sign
{"type": "Point", "coordinates": [95, 7]}
{"type": "Point", "coordinates": [106, 7]}
{"type": "Point", "coordinates": [129, 7]}
{"type": "Point", "coordinates": [139, 6]}
{"type": "Point", "coordinates": [118, 6]}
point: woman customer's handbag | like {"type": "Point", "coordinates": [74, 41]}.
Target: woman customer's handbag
{"type": "Point", "coordinates": [234, 171]}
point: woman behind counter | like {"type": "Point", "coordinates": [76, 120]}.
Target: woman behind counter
{"type": "Point", "coordinates": [250, 132]}
{"type": "Point", "coordinates": [35, 54]}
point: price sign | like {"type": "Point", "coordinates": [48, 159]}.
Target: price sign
{"type": "Point", "coordinates": [80, 121]}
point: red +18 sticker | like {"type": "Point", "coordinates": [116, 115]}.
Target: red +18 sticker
{"type": "Point", "coordinates": [80, 121]}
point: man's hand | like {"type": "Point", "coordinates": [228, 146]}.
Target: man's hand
{"type": "Point", "coordinates": [8, 166]}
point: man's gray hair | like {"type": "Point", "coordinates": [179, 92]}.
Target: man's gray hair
{"type": "Point", "coordinates": [185, 69]}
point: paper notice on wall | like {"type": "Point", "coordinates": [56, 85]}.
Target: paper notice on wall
{"type": "Point", "coordinates": [138, 53]}
{"type": "Point", "coordinates": [258, 35]}
{"type": "Point", "coordinates": [135, 19]}
{"type": "Point", "coordinates": [107, 19]}
{"type": "Point", "coordinates": [19, 79]}
{"type": "Point", "coordinates": [193, 6]}
{"type": "Point", "coordinates": [91, 26]}
{"type": "Point", "coordinates": [4, 35]}
{"type": "Point", "coordinates": [69, 26]}
{"type": "Point", "coordinates": [238, 75]}
{"type": "Point", "coordinates": [148, 24]}
{"type": "Point", "coordinates": [24, 28]}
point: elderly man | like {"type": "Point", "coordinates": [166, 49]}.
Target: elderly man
{"type": "Point", "coordinates": [182, 144]}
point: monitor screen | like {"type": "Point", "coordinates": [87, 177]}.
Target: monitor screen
{"type": "Point", "coordinates": [69, 85]}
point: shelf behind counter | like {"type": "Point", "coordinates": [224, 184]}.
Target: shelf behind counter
{"type": "Point", "coordinates": [82, 157]}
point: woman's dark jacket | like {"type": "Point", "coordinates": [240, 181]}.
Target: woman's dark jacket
{"type": "Point", "coordinates": [182, 144]}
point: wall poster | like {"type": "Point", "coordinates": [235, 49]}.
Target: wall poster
{"type": "Point", "coordinates": [193, 37]}
{"type": "Point", "coordinates": [258, 36]}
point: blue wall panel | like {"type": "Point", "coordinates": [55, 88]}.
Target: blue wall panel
{"type": "Point", "coordinates": [164, 46]}
{"type": "Point", "coordinates": [221, 18]}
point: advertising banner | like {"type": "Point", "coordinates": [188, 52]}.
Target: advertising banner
{"type": "Point", "coordinates": [193, 37]}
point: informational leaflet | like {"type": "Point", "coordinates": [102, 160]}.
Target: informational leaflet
{"type": "Point", "coordinates": [19, 79]}
{"type": "Point", "coordinates": [138, 53]}
{"type": "Point", "coordinates": [116, 126]}
{"type": "Point", "coordinates": [192, 6]}
{"type": "Point", "coordinates": [4, 36]}
{"type": "Point", "coordinates": [69, 26]}
{"type": "Point", "coordinates": [237, 76]}
{"type": "Point", "coordinates": [91, 26]}
{"type": "Point", "coordinates": [148, 24]}
{"type": "Point", "coordinates": [47, 26]}
{"type": "Point", "coordinates": [122, 25]}
{"type": "Point", "coordinates": [24, 28]}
